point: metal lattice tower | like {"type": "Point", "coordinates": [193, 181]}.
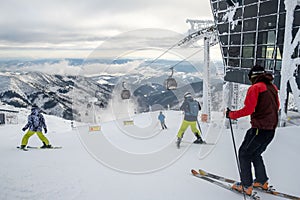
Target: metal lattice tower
{"type": "Point", "coordinates": [203, 29]}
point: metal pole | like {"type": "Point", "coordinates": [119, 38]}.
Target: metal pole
{"type": "Point", "coordinates": [199, 126]}
{"type": "Point", "coordinates": [236, 156]}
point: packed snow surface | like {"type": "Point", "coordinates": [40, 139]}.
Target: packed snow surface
{"type": "Point", "coordinates": [74, 172]}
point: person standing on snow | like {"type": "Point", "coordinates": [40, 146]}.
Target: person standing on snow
{"type": "Point", "coordinates": [35, 124]}
{"type": "Point", "coordinates": [191, 108]}
{"type": "Point", "coordinates": [262, 104]}
{"type": "Point", "coordinates": [161, 118]}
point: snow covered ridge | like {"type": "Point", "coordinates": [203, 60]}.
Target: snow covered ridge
{"type": "Point", "coordinates": [68, 96]}
{"type": "Point", "coordinates": [53, 93]}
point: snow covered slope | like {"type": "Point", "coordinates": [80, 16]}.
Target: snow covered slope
{"type": "Point", "coordinates": [55, 94]}
{"type": "Point", "coordinates": [73, 173]}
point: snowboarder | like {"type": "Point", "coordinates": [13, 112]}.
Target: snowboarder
{"type": "Point", "coordinates": [262, 104]}
{"type": "Point", "coordinates": [35, 124]}
{"type": "Point", "coordinates": [191, 108]}
{"type": "Point", "coordinates": [161, 118]}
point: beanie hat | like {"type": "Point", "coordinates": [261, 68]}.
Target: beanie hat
{"type": "Point", "coordinates": [256, 70]}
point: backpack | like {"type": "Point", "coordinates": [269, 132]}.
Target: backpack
{"type": "Point", "coordinates": [193, 108]}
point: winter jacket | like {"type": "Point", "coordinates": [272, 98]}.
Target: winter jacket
{"type": "Point", "coordinates": [30, 122]}
{"type": "Point", "coordinates": [262, 103]}
{"type": "Point", "coordinates": [161, 117]}
{"type": "Point", "coordinates": [185, 107]}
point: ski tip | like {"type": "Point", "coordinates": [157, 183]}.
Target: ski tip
{"type": "Point", "coordinates": [194, 172]}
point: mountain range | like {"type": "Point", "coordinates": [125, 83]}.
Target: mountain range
{"type": "Point", "coordinates": [67, 96]}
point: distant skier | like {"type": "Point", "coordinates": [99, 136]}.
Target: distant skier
{"type": "Point", "coordinates": [191, 108]}
{"type": "Point", "coordinates": [161, 118]}
{"type": "Point", "coordinates": [35, 124]}
{"type": "Point", "coordinates": [262, 103]}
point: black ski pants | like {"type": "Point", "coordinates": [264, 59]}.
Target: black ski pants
{"type": "Point", "coordinates": [254, 144]}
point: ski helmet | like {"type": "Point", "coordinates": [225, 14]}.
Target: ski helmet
{"type": "Point", "coordinates": [187, 94]}
{"type": "Point", "coordinates": [255, 71]}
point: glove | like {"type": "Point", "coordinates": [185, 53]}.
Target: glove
{"type": "Point", "coordinates": [45, 130]}
{"type": "Point", "coordinates": [24, 129]}
{"type": "Point", "coordinates": [227, 113]}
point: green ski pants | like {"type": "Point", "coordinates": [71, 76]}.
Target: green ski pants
{"type": "Point", "coordinates": [185, 124]}
{"type": "Point", "coordinates": [30, 133]}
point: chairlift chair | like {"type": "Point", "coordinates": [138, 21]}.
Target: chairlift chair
{"type": "Point", "coordinates": [125, 94]}
{"type": "Point", "coordinates": [170, 82]}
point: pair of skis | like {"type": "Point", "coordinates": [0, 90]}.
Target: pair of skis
{"type": "Point", "coordinates": [221, 182]}
{"type": "Point", "coordinates": [34, 147]}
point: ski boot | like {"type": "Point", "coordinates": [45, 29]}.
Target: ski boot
{"type": "Point", "coordinates": [46, 146]}
{"type": "Point", "coordinates": [199, 140]}
{"type": "Point", "coordinates": [264, 186]}
{"type": "Point", "coordinates": [178, 142]}
{"type": "Point", "coordinates": [243, 189]}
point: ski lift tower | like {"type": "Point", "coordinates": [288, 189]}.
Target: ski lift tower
{"type": "Point", "coordinates": [203, 29]}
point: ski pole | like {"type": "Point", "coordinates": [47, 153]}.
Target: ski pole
{"type": "Point", "coordinates": [236, 156]}
{"type": "Point", "coordinates": [199, 126]}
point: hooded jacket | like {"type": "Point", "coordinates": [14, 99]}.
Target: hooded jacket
{"type": "Point", "coordinates": [186, 109]}
{"type": "Point", "coordinates": [35, 113]}
{"type": "Point", "coordinates": [261, 102]}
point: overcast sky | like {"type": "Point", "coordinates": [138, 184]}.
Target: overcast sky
{"type": "Point", "coordinates": [71, 28]}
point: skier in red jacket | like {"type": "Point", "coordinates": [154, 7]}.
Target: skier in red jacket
{"type": "Point", "coordinates": [262, 104]}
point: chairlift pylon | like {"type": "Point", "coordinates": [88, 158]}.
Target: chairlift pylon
{"type": "Point", "coordinates": [125, 94]}
{"type": "Point", "coordinates": [170, 82]}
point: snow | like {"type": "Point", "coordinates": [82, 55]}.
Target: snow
{"type": "Point", "coordinates": [75, 171]}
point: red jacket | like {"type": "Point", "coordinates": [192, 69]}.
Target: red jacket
{"type": "Point", "coordinates": [262, 103]}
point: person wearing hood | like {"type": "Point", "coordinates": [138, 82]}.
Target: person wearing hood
{"type": "Point", "coordinates": [35, 124]}
{"type": "Point", "coordinates": [191, 108]}
{"type": "Point", "coordinates": [262, 104]}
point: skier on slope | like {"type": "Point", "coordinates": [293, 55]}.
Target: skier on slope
{"type": "Point", "coordinates": [191, 108]}
{"type": "Point", "coordinates": [161, 117]}
{"type": "Point", "coordinates": [262, 103]}
{"type": "Point", "coordinates": [35, 124]}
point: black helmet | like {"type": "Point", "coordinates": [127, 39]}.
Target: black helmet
{"type": "Point", "coordinates": [256, 70]}
{"type": "Point", "coordinates": [34, 107]}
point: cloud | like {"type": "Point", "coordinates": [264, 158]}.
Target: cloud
{"type": "Point", "coordinates": [70, 23]}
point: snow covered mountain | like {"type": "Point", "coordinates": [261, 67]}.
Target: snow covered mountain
{"type": "Point", "coordinates": [55, 86]}
{"type": "Point", "coordinates": [54, 94]}
{"type": "Point", "coordinates": [65, 95]}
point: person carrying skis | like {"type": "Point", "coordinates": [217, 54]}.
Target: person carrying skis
{"type": "Point", "coordinates": [35, 124]}
{"type": "Point", "coordinates": [161, 117]}
{"type": "Point", "coordinates": [262, 104]}
{"type": "Point", "coordinates": [191, 108]}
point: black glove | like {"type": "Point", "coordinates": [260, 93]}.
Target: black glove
{"type": "Point", "coordinates": [45, 130]}
{"type": "Point", "coordinates": [24, 129]}
{"type": "Point", "coordinates": [227, 113]}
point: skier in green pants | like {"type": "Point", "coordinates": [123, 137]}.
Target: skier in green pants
{"type": "Point", "coordinates": [191, 108]}
{"type": "Point", "coordinates": [35, 124]}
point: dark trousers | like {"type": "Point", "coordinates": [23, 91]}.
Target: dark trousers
{"type": "Point", "coordinates": [254, 144]}
{"type": "Point", "coordinates": [163, 125]}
